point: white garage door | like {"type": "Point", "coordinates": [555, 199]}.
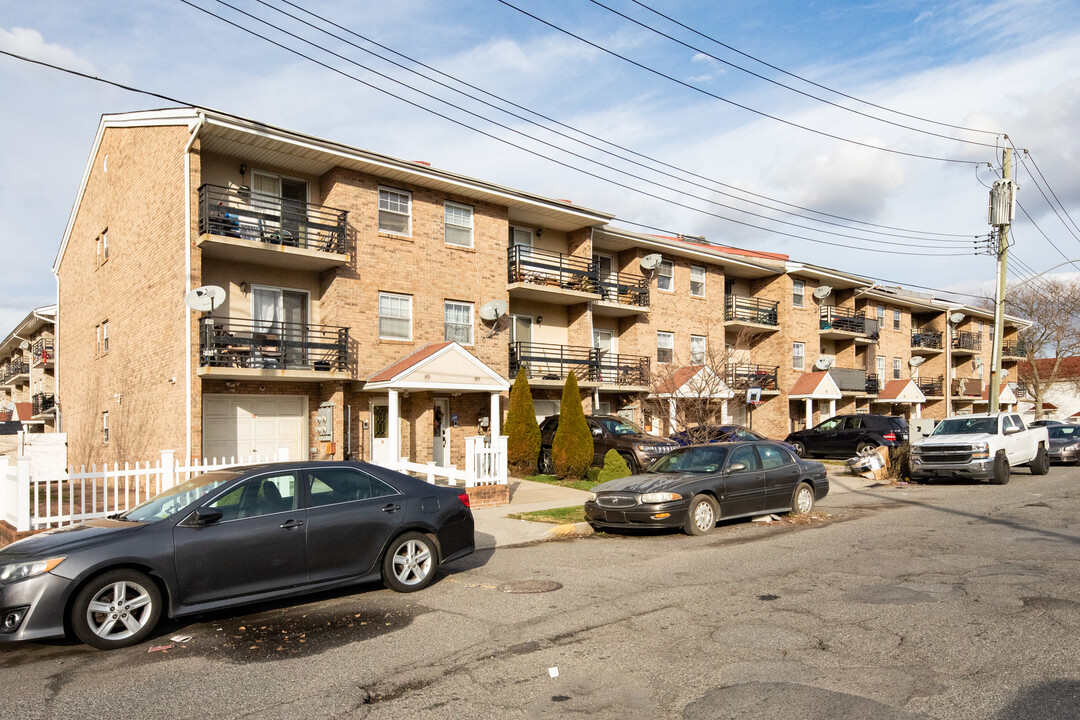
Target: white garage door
{"type": "Point", "coordinates": [242, 425]}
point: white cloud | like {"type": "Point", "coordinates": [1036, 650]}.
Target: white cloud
{"type": "Point", "coordinates": [31, 44]}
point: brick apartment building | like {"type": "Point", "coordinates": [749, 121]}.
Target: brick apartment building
{"type": "Point", "coordinates": [351, 324]}
{"type": "Point", "coordinates": [27, 382]}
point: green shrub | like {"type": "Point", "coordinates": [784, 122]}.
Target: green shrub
{"type": "Point", "coordinates": [615, 467]}
{"type": "Point", "coordinates": [523, 434]}
{"type": "Point", "coordinates": [593, 474]}
{"type": "Point", "coordinates": [572, 447]}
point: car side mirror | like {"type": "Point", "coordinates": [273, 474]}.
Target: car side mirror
{"type": "Point", "coordinates": [206, 516]}
{"type": "Point", "coordinates": [736, 467]}
{"type": "Point", "coordinates": [1011, 430]}
{"type": "Point", "coordinates": [597, 432]}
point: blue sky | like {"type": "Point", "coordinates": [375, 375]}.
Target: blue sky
{"type": "Point", "coordinates": [1011, 66]}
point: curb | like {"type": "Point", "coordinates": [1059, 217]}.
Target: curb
{"type": "Point", "coordinates": [568, 530]}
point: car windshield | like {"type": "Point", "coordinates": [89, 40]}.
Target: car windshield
{"type": "Point", "coordinates": [171, 501]}
{"type": "Point", "coordinates": [691, 460]}
{"type": "Point", "coordinates": [620, 427]}
{"type": "Point", "coordinates": [1064, 432]}
{"type": "Point", "coordinates": [967, 426]}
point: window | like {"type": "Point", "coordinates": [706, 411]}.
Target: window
{"type": "Point", "coordinates": [105, 337]}
{"type": "Point", "coordinates": [697, 281]}
{"type": "Point", "coordinates": [746, 455]}
{"type": "Point", "coordinates": [895, 319]}
{"type": "Point", "coordinates": [394, 211]}
{"type": "Point", "coordinates": [896, 367]}
{"type": "Point", "coordinates": [258, 496]}
{"type": "Point", "coordinates": [798, 355]}
{"type": "Point", "coordinates": [458, 322]}
{"type": "Point", "coordinates": [458, 225]}
{"type": "Point", "coordinates": [665, 347]}
{"type": "Point", "coordinates": [105, 427]}
{"type": "Point", "coordinates": [330, 486]}
{"type": "Point", "coordinates": [665, 278]}
{"type": "Point", "coordinates": [97, 340]}
{"type": "Point", "coordinates": [521, 236]}
{"type": "Point", "coordinates": [880, 316]}
{"type": "Point", "coordinates": [798, 293]}
{"type": "Point", "coordinates": [772, 457]}
{"type": "Point", "coordinates": [697, 349]}
{"type": "Point", "coordinates": [395, 316]}
{"type": "Point", "coordinates": [881, 366]}
{"type": "Point", "coordinates": [103, 246]}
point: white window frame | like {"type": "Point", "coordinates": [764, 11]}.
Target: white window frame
{"type": "Point", "coordinates": [880, 311]}
{"type": "Point", "coordinates": [379, 314]}
{"type": "Point", "coordinates": [700, 269]}
{"type": "Point", "coordinates": [897, 369]}
{"type": "Point", "coordinates": [447, 207]}
{"type": "Point", "coordinates": [880, 362]}
{"type": "Point", "coordinates": [798, 355]}
{"type": "Point", "coordinates": [105, 245]}
{"type": "Point", "coordinates": [525, 233]}
{"type": "Point", "coordinates": [408, 214]}
{"type": "Point", "coordinates": [668, 339]}
{"type": "Point", "coordinates": [105, 337]}
{"type": "Point", "coordinates": [798, 293]}
{"type": "Point", "coordinates": [897, 319]}
{"type": "Point", "coordinates": [661, 276]}
{"type": "Point", "coordinates": [695, 357]}
{"type": "Point", "coordinates": [105, 427]}
{"type": "Point", "coordinates": [447, 324]}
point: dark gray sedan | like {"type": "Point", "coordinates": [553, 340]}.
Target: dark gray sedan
{"type": "Point", "coordinates": [694, 487]}
{"type": "Point", "coordinates": [226, 538]}
{"type": "Point", "coordinates": [1064, 443]}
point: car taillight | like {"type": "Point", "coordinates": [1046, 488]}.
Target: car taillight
{"type": "Point", "coordinates": [464, 498]}
{"type": "Point", "coordinates": [891, 437]}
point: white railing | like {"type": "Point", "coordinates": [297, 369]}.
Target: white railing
{"type": "Point", "coordinates": [34, 502]}
{"type": "Point", "coordinates": [484, 465]}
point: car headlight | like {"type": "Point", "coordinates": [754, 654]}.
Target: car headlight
{"type": "Point", "coordinates": [21, 571]}
{"type": "Point", "coordinates": [1073, 447]}
{"type": "Point", "coordinates": [648, 448]}
{"type": "Point", "coordinates": [591, 497]}
{"type": "Point", "coordinates": [980, 450]}
{"type": "Point", "coordinates": [659, 497]}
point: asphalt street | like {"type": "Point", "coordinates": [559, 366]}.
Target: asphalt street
{"type": "Point", "coordinates": [953, 600]}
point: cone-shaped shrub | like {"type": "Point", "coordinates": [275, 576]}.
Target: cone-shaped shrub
{"type": "Point", "coordinates": [615, 467]}
{"type": "Point", "coordinates": [572, 448]}
{"type": "Point", "coordinates": [523, 434]}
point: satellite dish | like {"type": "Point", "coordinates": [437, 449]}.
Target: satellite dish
{"type": "Point", "coordinates": [916, 361]}
{"type": "Point", "coordinates": [24, 344]}
{"type": "Point", "coordinates": [956, 318]}
{"type": "Point", "coordinates": [205, 299]}
{"type": "Point", "coordinates": [822, 292]}
{"type": "Point", "coordinates": [493, 310]}
{"type": "Point", "coordinates": [1004, 373]}
{"type": "Point", "coordinates": [651, 262]}
{"type": "Point", "coordinates": [823, 363]}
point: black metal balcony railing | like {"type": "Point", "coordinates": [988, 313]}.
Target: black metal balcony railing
{"type": "Point", "coordinates": [14, 369]}
{"type": "Point", "coordinates": [751, 309]}
{"type": "Point", "coordinates": [43, 402]}
{"type": "Point", "coordinates": [740, 376]}
{"type": "Point", "coordinates": [42, 351]}
{"type": "Point", "coordinates": [238, 343]}
{"type": "Point", "coordinates": [544, 361]}
{"type": "Point", "coordinates": [553, 269]}
{"type": "Point", "coordinates": [270, 219]}
{"type": "Point", "coordinates": [848, 320]}
{"type": "Point", "coordinates": [854, 380]}
{"type": "Point", "coordinates": [930, 339]}
{"type": "Point", "coordinates": [966, 340]}
{"type": "Point", "coordinates": [932, 386]}
{"type": "Point", "coordinates": [873, 385]}
{"type": "Point", "coordinates": [1016, 349]}
{"type": "Point", "coordinates": [967, 387]}
{"type": "Point", "coordinates": [625, 289]}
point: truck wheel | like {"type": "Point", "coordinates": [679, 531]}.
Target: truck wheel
{"type": "Point", "coordinates": [1041, 464]}
{"type": "Point", "coordinates": [1001, 469]}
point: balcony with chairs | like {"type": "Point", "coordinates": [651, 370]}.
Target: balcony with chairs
{"type": "Point", "coordinates": [749, 313]}
{"type": "Point", "coordinates": [553, 277]}
{"type": "Point", "coordinates": [234, 348]}
{"type": "Point", "coordinates": [43, 404]}
{"type": "Point", "coordinates": [42, 353]}
{"type": "Point", "coordinates": [1016, 349]}
{"type": "Point", "coordinates": [743, 376]}
{"type": "Point", "coordinates": [965, 342]}
{"type": "Point", "coordinates": [548, 365]}
{"type": "Point", "coordinates": [245, 226]}
{"type": "Point", "coordinates": [839, 323]}
{"type": "Point", "coordinates": [926, 342]}
{"type": "Point", "coordinates": [622, 295]}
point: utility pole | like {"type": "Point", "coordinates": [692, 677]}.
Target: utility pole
{"type": "Point", "coordinates": [1002, 211]}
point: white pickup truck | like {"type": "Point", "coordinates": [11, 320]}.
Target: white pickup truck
{"type": "Point", "coordinates": [982, 447]}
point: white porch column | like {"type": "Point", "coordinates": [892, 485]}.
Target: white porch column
{"type": "Point", "coordinates": [496, 409]}
{"type": "Point", "coordinates": [809, 413]}
{"type": "Point", "coordinates": [671, 415]}
{"type": "Point", "coordinates": [393, 432]}
{"type": "Point", "coordinates": [832, 408]}
{"type": "Point", "coordinates": [724, 411]}
{"type": "Point", "coordinates": [918, 410]}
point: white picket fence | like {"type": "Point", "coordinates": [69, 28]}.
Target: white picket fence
{"type": "Point", "coordinates": [484, 465]}
{"type": "Point", "coordinates": [34, 502]}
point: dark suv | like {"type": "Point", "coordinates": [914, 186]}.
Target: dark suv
{"type": "Point", "coordinates": [847, 435]}
{"type": "Point", "coordinates": [609, 432]}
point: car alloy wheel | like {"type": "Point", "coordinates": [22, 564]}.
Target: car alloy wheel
{"type": "Point", "coordinates": [800, 448]}
{"type": "Point", "coordinates": [116, 609]}
{"type": "Point", "coordinates": [410, 563]}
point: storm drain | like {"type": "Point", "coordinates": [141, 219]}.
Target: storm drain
{"type": "Point", "coordinates": [529, 586]}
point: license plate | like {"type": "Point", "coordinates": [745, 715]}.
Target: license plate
{"type": "Point", "coordinates": [614, 516]}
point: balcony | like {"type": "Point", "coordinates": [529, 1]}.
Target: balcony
{"type": "Point", "coordinates": [549, 365]}
{"type": "Point", "coordinates": [42, 352]}
{"type": "Point", "coordinates": [966, 343]}
{"type": "Point", "coordinates": [839, 323]}
{"type": "Point", "coordinates": [243, 226]}
{"type": "Point", "coordinates": [750, 313]}
{"type": "Point", "coordinates": [234, 348]}
{"type": "Point", "coordinates": [1017, 349]}
{"type": "Point", "coordinates": [552, 277]}
{"type": "Point", "coordinates": [742, 376]}
{"type": "Point", "coordinates": [855, 382]}
{"type": "Point", "coordinates": [932, 387]}
{"type": "Point", "coordinates": [43, 404]}
{"type": "Point", "coordinates": [17, 372]}
{"type": "Point", "coordinates": [926, 342]}
{"type": "Point", "coordinates": [967, 387]}
{"type": "Point", "coordinates": [622, 295]}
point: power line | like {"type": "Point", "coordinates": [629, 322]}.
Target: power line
{"type": "Point", "coordinates": [1038, 187]}
{"type": "Point", "coordinates": [729, 101]}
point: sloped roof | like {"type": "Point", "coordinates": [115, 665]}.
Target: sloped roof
{"type": "Point", "coordinates": [816, 386]}
{"type": "Point", "coordinates": [677, 379]}
{"type": "Point", "coordinates": [445, 366]}
{"type": "Point", "coordinates": [1006, 396]}
{"type": "Point", "coordinates": [1069, 368]}
{"type": "Point", "coordinates": [390, 372]}
{"type": "Point", "coordinates": [681, 383]}
{"type": "Point", "coordinates": [901, 391]}
{"type": "Point", "coordinates": [24, 411]}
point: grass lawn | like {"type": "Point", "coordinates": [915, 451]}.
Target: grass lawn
{"type": "Point", "coordinates": [558, 516]}
{"type": "Point", "coordinates": [552, 480]}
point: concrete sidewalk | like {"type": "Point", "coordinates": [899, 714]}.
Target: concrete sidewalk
{"type": "Point", "coordinates": [494, 529]}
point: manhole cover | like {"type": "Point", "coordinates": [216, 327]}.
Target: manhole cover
{"type": "Point", "coordinates": [529, 586]}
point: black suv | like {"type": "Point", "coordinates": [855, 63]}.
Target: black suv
{"type": "Point", "coordinates": [847, 435]}
{"type": "Point", "coordinates": [609, 432]}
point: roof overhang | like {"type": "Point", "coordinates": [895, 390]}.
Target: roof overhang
{"type": "Point", "coordinates": [38, 317]}
{"type": "Point", "coordinates": [449, 369]}
{"type": "Point", "coordinates": [703, 384]}
{"type": "Point", "coordinates": [614, 238]}
{"type": "Point", "coordinates": [825, 389]}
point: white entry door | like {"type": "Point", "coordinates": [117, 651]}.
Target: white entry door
{"type": "Point", "coordinates": [380, 433]}
{"type": "Point", "coordinates": [240, 426]}
{"type": "Point", "coordinates": [604, 341]}
{"type": "Point", "coordinates": [440, 440]}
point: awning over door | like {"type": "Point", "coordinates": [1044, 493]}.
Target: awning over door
{"type": "Point", "coordinates": [693, 381]}
{"type": "Point", "coordinates": [901, 392]}
{"type": "Point", "coordinates": [815, 386]}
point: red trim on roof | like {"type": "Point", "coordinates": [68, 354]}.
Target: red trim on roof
{"type": "Point", "coordinates": [725, 249]}
{"type": "Point", "coordinates": [392, 371]}
{"type": "Point", "coordinates": [677, 379]}
{"type": "Point", "coordinates": [1069, 368]}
